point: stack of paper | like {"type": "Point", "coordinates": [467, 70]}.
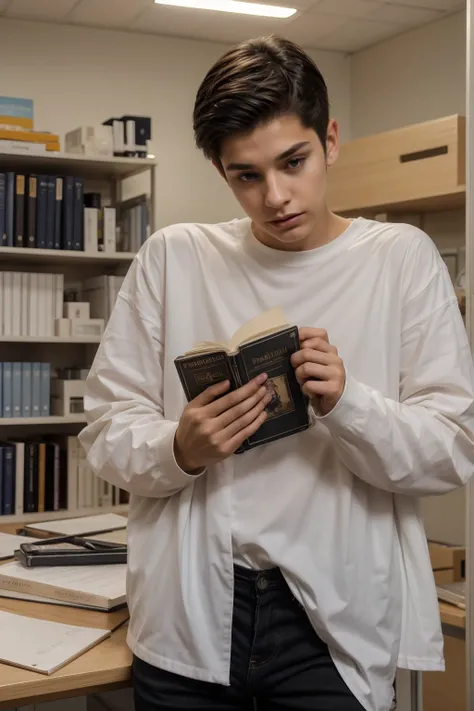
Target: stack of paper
{"type": "Point", "coordinates": [43, 646]}
{"type": "Point", "coordinates": [100, 587]}
{"type": "Point", "coordinates": [9, 543]}
{"type": "Point", "coordinates": [78, 526]}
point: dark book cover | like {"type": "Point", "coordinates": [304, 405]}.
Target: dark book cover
{"type": "Point", "coordinates": [41, 210]}
{"type": "Point", "coordinates": [50, 212]}
{"type": "Point", "coordinates": [3, 232]}
{"type": "Point", "coordinates": [10, 210]}
{"type": "Point", "coordinates": [8, 484]}
{"type": "Point", "coordinates": [287, 412]}
{"type": "Point", "coordinates": [78, 222]}
{"type": "Point", "coordinates": [68, 213]}
{"type": "Point", "coordinates": [30, 204]}
{"type": "Point", "coordinates": [20, 240]}
{"type": "Point", "coordinates": [30, 496]}
{"type": "Point", "coordinates": [58, 212]}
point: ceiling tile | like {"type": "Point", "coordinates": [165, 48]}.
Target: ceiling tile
{"type": "Point", "coordinates": [359, 34]}
{"type": "Point", "coordinates": [443, 5]}
{"type": "Point", "coordinates": [160, 19]}
{"type": "Point", "coordinates": [308, 28]}
{"type": "Point", "coordinates": [107, 13]}
{"type": "Point", "coordinates": [348, 8]}
{"type": "Point", "coordinates": [405, 15]}
{"type": "Point", "coordinates": [48, 10]}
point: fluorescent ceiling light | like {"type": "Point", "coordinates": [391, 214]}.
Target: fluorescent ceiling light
{"type": "Point", "coordinates": [244, 8]}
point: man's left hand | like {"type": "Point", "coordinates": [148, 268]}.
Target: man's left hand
{"type": "Point", "coordinates": [319, 369]}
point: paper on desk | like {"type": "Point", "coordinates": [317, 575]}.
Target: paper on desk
{"type": "Point", "coordinates": [10, 543]}
{"type": "Point", "coordinates": [41, 645]}
{"type": "Point", "coordinates": [81, 525]}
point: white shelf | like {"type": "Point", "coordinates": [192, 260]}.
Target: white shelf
{"type": "Point", "coordinates": [64, 513]}
{"type": "Point", "coordinates": [49, 339]}
{"type": "Point", "coordinates": [62, 256]}
{"type": "Point", "coordinates": [52, 420]}
{"type": "Point", "coordinates": [84, 166]}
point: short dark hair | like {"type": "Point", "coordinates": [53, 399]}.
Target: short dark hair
{"type": "Point", "coordinates": [253, 83]}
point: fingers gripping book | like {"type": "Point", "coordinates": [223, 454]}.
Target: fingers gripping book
{"type": "Point", "coordinates": [263, 345]}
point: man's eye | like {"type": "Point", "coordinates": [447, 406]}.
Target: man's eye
{"type": "Point", "coordinates": [295, 162]}
{"type": "Point", "coordinates": [247, 177]}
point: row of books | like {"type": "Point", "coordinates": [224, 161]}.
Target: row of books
{"type": "Point", "coordinates": [51, 474]}
{"type": "Point", "coordinates": [134, 228]}
{"type": "Point", "coordinates": [30, 303]}
{"type": "Point", "coordinates": [41, 211]}
{"type": "Point", "coordinates": [25, 389]}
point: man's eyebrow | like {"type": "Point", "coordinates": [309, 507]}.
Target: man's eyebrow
{"type": "Point", "coordinates": [282, 156]}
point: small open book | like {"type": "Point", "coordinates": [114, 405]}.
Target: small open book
{"type": "Point", "coordinates": [263, 345]}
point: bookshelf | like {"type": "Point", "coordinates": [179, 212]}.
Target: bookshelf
{"type": "Point", "coordinates": [100, 175]}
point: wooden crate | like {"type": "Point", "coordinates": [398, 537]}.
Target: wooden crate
{"type": "Point", "coordinates": [402, 169]}
{"type": "Point", "coordinates": [448, 562]}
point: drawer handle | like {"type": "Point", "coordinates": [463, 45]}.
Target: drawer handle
{"type": "Point", "coordinates": [421, 155]}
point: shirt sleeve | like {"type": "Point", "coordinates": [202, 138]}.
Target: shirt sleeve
{"type": "Point", "coordinates": [423, 443]}
{"type": "Point", "coordinates": [128, 441]}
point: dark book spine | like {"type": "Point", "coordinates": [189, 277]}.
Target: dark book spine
{"type": "Point", "coordinates": [198, 372]}
{"type": "Point", "coordinates": [10, 209]}
{"type": "Point", "coordinates": [3, 231]}
{"type": "Point", "coordinates": [8, 505]}
{"type": "Point", "coordinates": [20, 212]}
{"type": "Point", "coordinates": [50, 212]}
{"type": "Point", "coordinates": [41, 211]}
{"type": "Point", "coordinates": [30, 504]}
{"type": "Point", "coordinates": [1, 479]}
{"type": "Point", "coordinates": [31, 211]}
{"type": "Point", "coordinates": [78, 228]}
{"type": "Point", "coordinates": [68, 213]}
{"type": "Point", "coordinates": [58, 214]}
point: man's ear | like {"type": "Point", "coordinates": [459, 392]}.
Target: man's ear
{"type": "Point", "coordinates": [332, 142]}
{"type": "Point", "coordinates": [219, 167]}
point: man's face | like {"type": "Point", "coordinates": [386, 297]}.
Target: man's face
{"type": "Point", "coordinates": [278, 174]}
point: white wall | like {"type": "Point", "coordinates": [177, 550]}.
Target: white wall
{"type": "Point", "coordinates": [79, 75]}
{"type": "Point", "coordinates": [414, 77]}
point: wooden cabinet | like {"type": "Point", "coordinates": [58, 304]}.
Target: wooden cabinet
{"type": "Point", "coordinates": [415, 168]}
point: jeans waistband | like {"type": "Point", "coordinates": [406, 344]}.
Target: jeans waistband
{"type": "Point", "coordinates": [262, 580]}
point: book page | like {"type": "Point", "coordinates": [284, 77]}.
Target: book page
{"type": "Point", "coordinates": [107, 581]}
{"type": "Point", "coordinates": [264, 323]}
{"type": "Point", "coordinates": [82, 525]}
{"type": "Point", "coordinates": [41, 645]}
{"type": "Point", "coordinates": [9, 543]}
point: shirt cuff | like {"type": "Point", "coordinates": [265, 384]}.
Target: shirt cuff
{"type": "Point", "coordinates": [350, 409]}
{"type": "Point", "coordinates": [176, 476]}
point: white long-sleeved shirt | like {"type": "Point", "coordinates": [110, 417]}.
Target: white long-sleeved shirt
{"type": "Point", "coordinates": [335, 507]}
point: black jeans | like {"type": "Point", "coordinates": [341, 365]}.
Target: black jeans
{"type": "Point", "coordinates": [278, 662]}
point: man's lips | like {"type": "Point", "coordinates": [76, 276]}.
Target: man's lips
{"type": "Point", "coordinates": [286, 218]}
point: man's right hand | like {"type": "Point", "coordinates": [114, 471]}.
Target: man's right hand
{"type": "Point", "coordinates": [214, 425]}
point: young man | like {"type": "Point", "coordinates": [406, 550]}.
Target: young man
{"type": "Point", "coordinates": [295, 576]}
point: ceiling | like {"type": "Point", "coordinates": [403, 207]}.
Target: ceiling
{"type": "Point", "coordinates": [342, 25]}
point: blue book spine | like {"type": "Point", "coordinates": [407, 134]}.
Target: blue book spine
{"type": "Point", "coordinates": [7, 389]}
{"type": "Point", "coordinates": [26, 389]}
{"type": "Point", "coordinates": [10, 209]}
{"type": "Point", "coordinates": [8, 480]}
{"type": "Point", "coordinates": [68, 213]}
{"type": "Point", "coordinates": [41, 210]}
{"type": "Point", "coordinates": [16, 389]}
{"type": "Point", "coordinates": [45, 394]}
{"type": "Point", "coordinates": [78, 226]}
{"type": "Point", "coordinates": [36, 389]}
{"type": "Point", "coordinates": [50, 212]}
{"type": "Point", "coordinates": [3, 231]}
